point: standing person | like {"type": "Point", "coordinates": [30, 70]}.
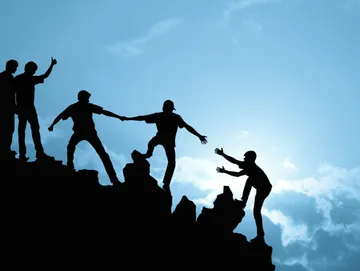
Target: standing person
{"type": "Point", "coordinates": [25, 101]}
{"type": "Point", "coordinates": [167, 124]}
{"type": "Point", "coordinates": [7, 108]}
{"type": "Point", "coordinates": [256, 178]}
{"type": "Point", "coordinates": [81, 113]}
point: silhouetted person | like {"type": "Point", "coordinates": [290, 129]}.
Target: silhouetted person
{"type": "Point", "coordinates": [257, 179]}
{"type": "Point", "coordinates": [81, 113]}
{"type": "Point", "coordinates": [167, 124]}
{"type": "Point", "coordinates": [7, 107]}
{"type": "Point", "coordinates": [25, 101]}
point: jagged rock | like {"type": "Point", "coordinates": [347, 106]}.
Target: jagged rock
{"type": "Point", "coordinates": [71, 220]}
{"type": "Point", "coordinates": [224, 217]}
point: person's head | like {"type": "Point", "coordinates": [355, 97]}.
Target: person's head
{"type": "Point", "coordinates": [168, 106]}
{"type": "Point", "coordinates": [11, 66]}
{"type": "Point", "coordinates": [31, 67]}
{"type": "Point", "coordinates": [136, 156]}
{"type": "Point", "coordinates": [250, 156]}
{"type": "Point", "coordinates": [84, 96]}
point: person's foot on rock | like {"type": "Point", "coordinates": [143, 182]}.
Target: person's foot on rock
{"type": "Point", "coordinates": [42, 156]}
{"type": "Point", "coordinates": [23, 158]}
{"type": "Point", "coordinates": [166, 187]}
{"type": "Point", "coordinates": [258, 239]}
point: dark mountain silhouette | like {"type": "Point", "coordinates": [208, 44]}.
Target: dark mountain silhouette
{"type": "Point", "coordinates": [56, 217]}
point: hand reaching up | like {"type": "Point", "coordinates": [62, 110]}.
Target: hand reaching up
{"type": "Point", "coordinates": [53, 61]}
{"type": "Point", "coordinates": [203, 139]}
{"type": "Point", "coordinates": [220, 169]}
{"type": "Point", "coordinates": [219, 151]}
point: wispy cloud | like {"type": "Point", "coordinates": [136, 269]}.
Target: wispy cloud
{"type": "Point", "coordinates": [136, 46]}
{"type": "Point", "coordinates": [289, 165]}
{"type": "Point", "coordinates": [348, 3]}
{"type": "Point", "coordinates": [242, 134]}
{"type": "Point", "coordinates": [46, 136]}
{"type": "Point", "coordinates": [241, 4]}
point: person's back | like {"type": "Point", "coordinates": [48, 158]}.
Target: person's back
{"type": "Point", "coordinates": [167, 124]}
{"type": "Point", "coordinates": [257, 177]}
{"type": "Point", "coordinates": [7, 91]}
{"type": "Point", "coordinates": [82, 116]}
{"type": "Point", "coordinates": [25, 89]}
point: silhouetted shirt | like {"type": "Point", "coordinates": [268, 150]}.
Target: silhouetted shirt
{"type": "Point", "coordinates": [257, 177]}
{"type": "Point", "coordinates": [7, 92]}
{"type": "Point", "coordinates": [82, 116]}
{"type": "Point", "coordinates": [25, 89]}
{"type": "Point", "coordinates": [167, 125]}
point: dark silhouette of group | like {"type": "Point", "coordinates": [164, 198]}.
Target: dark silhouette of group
{"type": "Point", "coordinates": [18, 97]}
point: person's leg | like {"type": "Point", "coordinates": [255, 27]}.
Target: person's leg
{"type": "Point", "coordinates": [35, 132]}
{"type": "Point", "coordinates": [6, 134]}
{"type": "Point", "coordinates": [22, 116]}
{"type": "Point", "coordinates": [151, 146]}
{"type": "Point", "coordinates": [246, 193]}
{"type": "Point", "coordinates": [74, 140]}
{"type": "Point", "coordinates": [171, 157]}
{"type": "Point", "coordinates": [259, 201]}
{"type": "Point", "coordinates": [94, 140]}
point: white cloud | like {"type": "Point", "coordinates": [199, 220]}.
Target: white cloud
{"type": "Point", "coordinates": [135, 46]}
{"type": "Point", "coordinates": [242, 133]}
{"type": "Point", "coordinates": [45, 134]}
{"type": "Point", "coordinates": [328, 189]}
{"type": "Point", "coordinates": [202, 175]}
{"type": "Point", "coordinates": [289, 165]}
{"type": "Point", "coordinates": [348, 3]}
{"type": "Point", "coordinates": [291, 232]}
{"type": "Point", "coordinates": [86, 155]}
{"type": "Point", "coordinates": [234, 6]}
{"type": "Point", "coordinates": [303, 261]}
{"type": "Point", "coordinates": [253, 26]}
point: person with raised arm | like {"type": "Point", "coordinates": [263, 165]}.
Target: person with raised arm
{"type": "Point", "coordinates": [25, 103]}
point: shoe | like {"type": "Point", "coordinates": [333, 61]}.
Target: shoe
{"type": "Point", "coordinates": [23, 158]}
{"type": "Point", "coordinates": [166, 187]}
{"type": "Point", "coordinates": [258, 239]}
{"type": "Point", "coordinates": [44, 156]}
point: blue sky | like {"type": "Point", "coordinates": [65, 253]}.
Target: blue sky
{"type": "Point", "coordinates": [280, 77]}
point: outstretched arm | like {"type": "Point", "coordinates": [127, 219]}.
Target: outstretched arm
{"type": "Point", "coordinates": [111, 114]}
{"type": "Point", "coordinates": [227, 157]}
{"type": "Point", "coordinates": [231, 173]}
{"type": "Point", "coordinates": [48, 72]}
{"type": "Point", "coordinates": [194, 132]}
{"type": "Point", "coordinates": [139, 118]}
{"type": "Point", "coordinates": [56, 120]}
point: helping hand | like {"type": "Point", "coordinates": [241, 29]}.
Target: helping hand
{"type": "Point", "coordinates": [220, 169]}
{"type": "Point", "coordinates": [203, 139]}
{"type": "Point", "coordinates": [51, 128]}
{"type": "Point", "coordinates": [219, 151]}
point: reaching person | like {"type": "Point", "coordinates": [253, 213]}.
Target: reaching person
{"type": "Point", "coordinates": [81, 113]}
{"type": "Point", "coordinates": [25, 102]}
{"type": "Point", "coordinates": [256, 178]}
{"type": "Point", "coordinates": [7, 108]}
{"type": "Point", "coordinates": [167, 124]}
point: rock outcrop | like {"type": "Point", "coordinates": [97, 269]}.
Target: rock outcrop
{"type": "Point", "coordinates": [57, 218]}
